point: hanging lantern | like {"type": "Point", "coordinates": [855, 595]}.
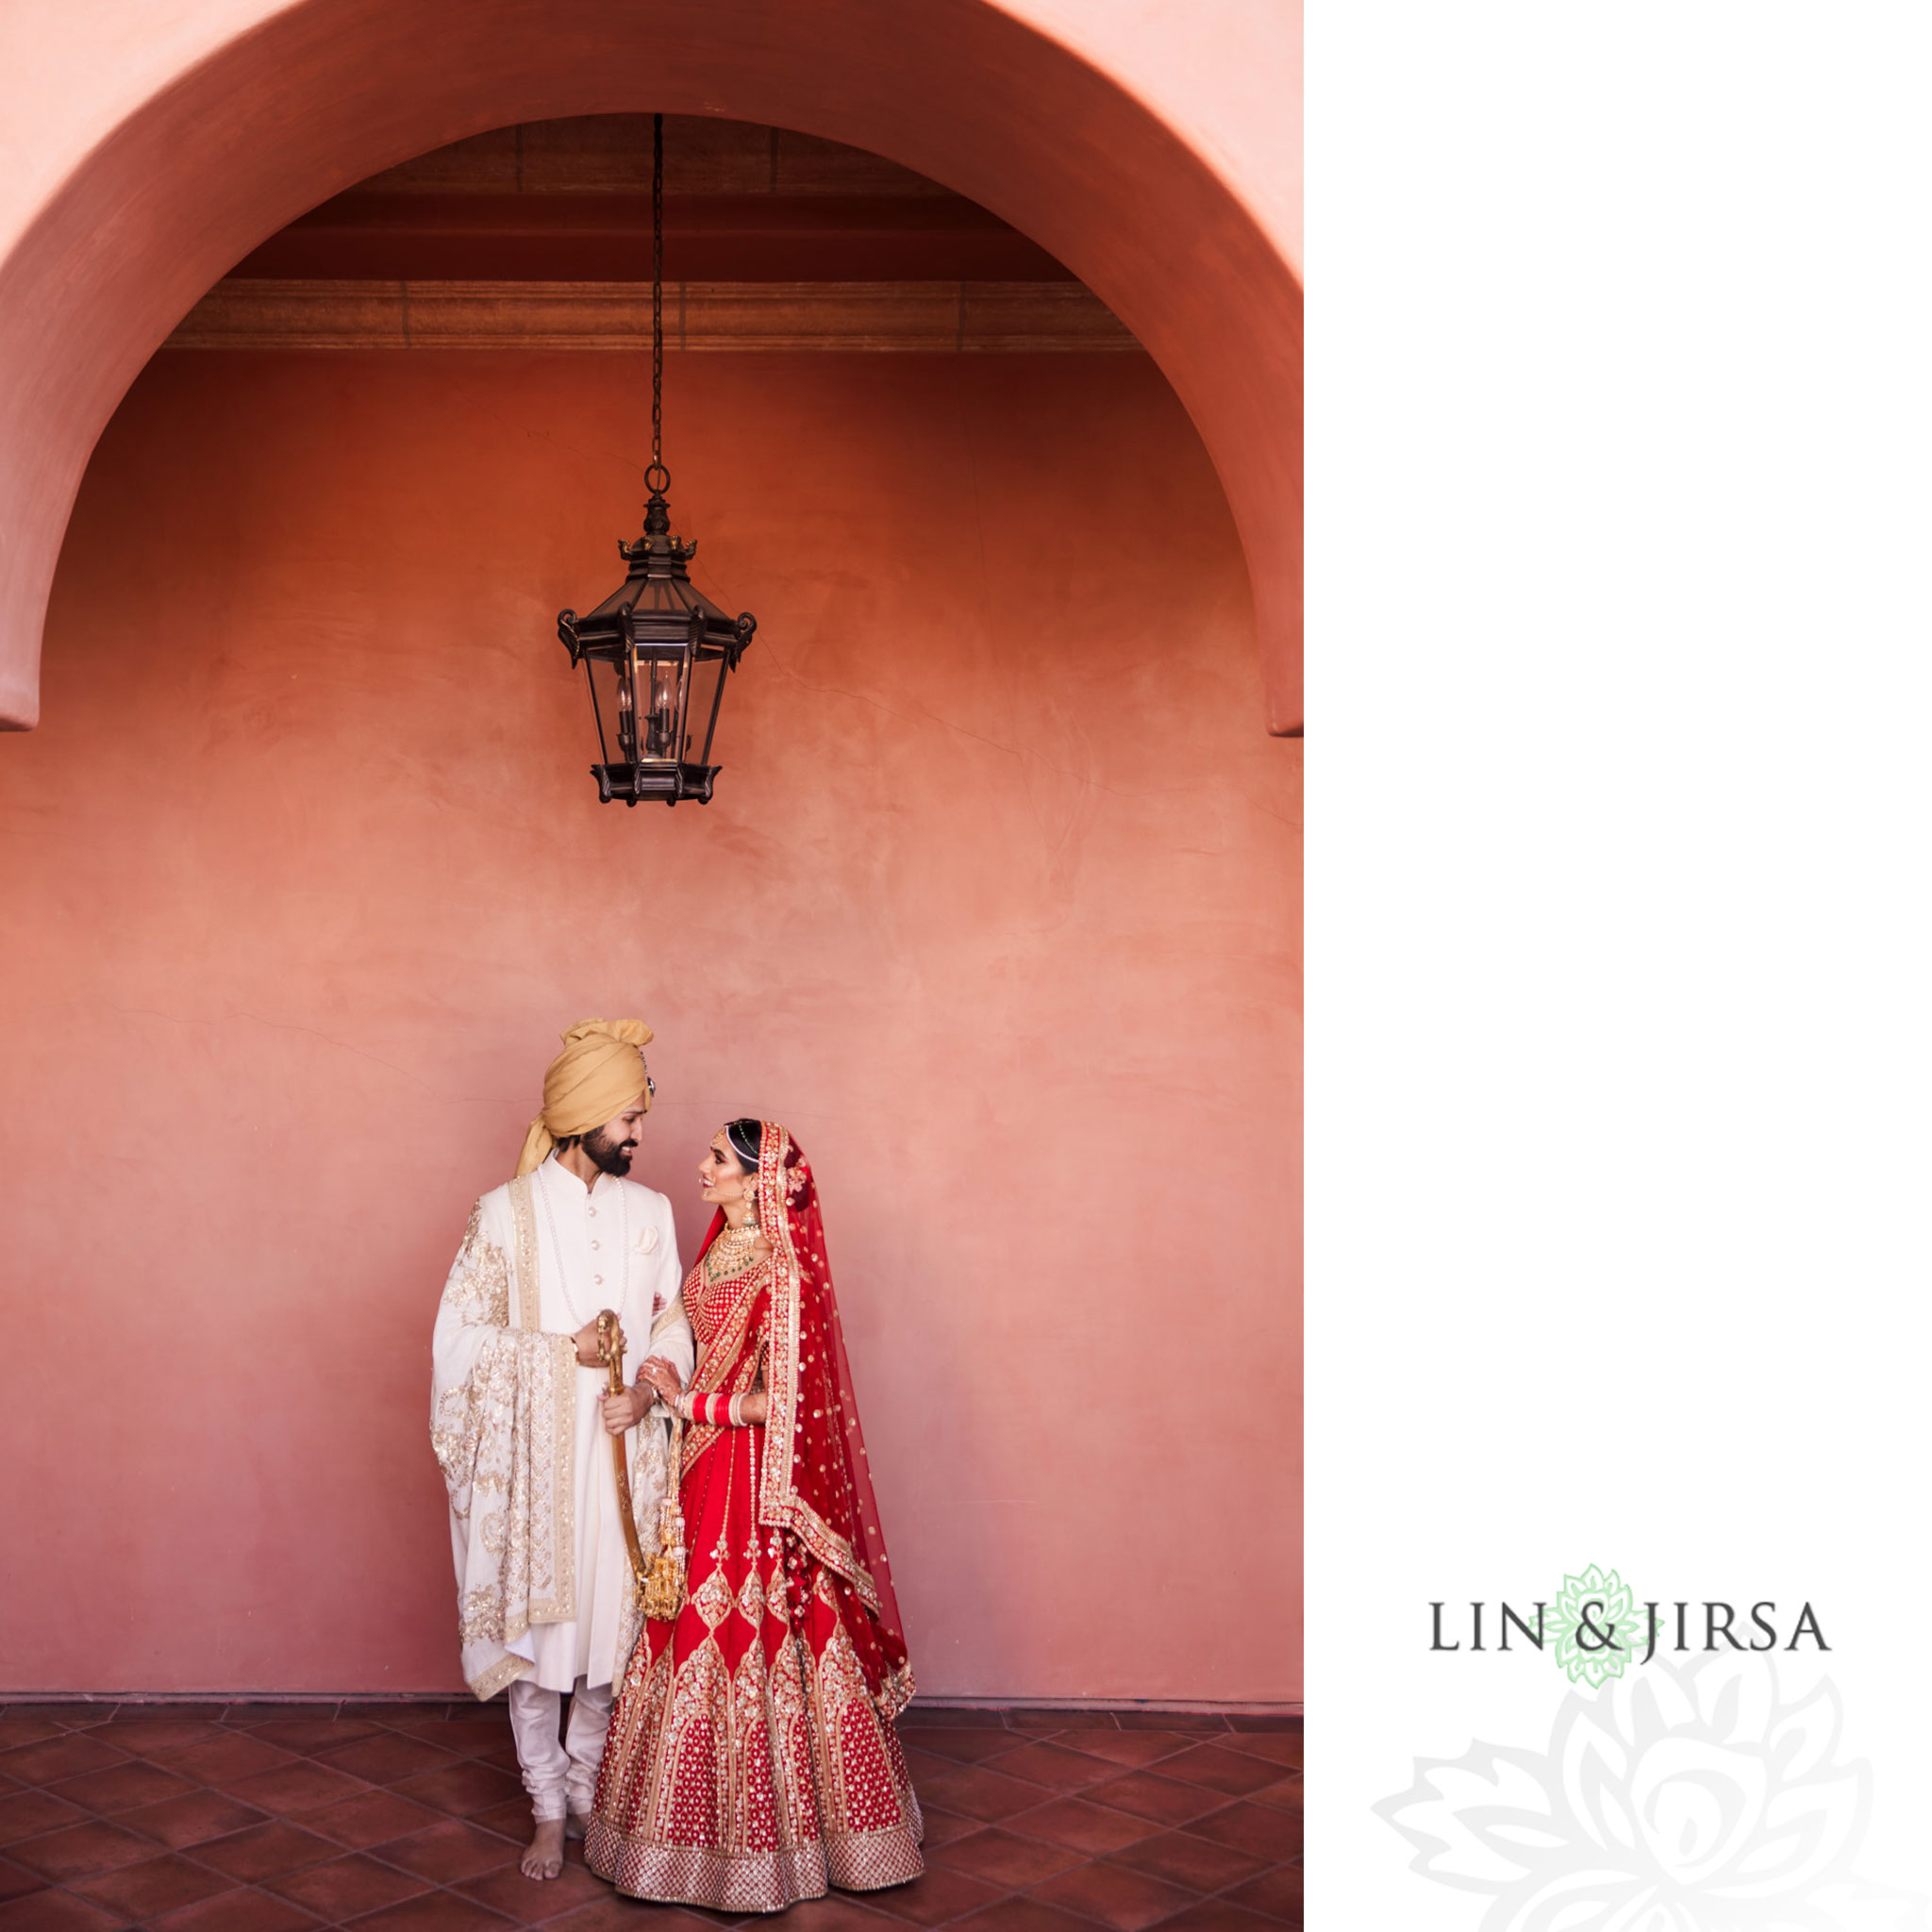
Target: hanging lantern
{"type": "Point", "coordinates": [655, 654]}
{"type": "Point", "coordinates": [657, 651]}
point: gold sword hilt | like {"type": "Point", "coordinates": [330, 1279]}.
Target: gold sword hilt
{"type": "Point", "coordinates": [611, 1347]}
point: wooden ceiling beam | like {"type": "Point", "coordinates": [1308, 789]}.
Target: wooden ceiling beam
{"type": "Point", "coordinates": [749, 236]}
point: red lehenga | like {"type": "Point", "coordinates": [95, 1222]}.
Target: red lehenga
{"type": "Point", "coordinates": [752, 1761]}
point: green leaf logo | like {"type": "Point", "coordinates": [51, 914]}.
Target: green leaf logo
{"type": "Point", "coordinates": [1597, 1629]}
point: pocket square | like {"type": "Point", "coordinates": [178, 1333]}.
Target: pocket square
{"type": "Point", "coordinates": [647, 1241]}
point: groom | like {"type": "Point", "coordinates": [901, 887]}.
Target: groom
{"type": "Point", "coordinates": [522, 1416]}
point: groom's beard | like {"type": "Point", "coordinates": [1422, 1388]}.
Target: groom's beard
{"type": "Point", "coordinates": [613, 1157]}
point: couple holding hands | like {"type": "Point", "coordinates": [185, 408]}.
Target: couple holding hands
{"type": "Point", "coordinates": [736, 1751]}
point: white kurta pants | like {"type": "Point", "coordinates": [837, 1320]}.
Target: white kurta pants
{"type": "Point", "coordinates": [560, 1775]}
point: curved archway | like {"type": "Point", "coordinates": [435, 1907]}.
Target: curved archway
{"type": "Point", "coordinates": [301, 102]}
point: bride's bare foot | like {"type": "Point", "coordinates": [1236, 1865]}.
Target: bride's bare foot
{"type": "Point", "coordinates": [544, 1858]}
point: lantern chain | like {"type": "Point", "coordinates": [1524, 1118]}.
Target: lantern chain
{"type": "Point", "coordinates": [657, 477]}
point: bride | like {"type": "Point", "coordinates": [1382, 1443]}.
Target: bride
{"type": "Point", "coordinates": [752, 1761]}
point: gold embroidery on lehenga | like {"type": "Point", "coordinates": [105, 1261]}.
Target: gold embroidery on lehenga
{"type": "Point", "coordinates": [751, 1599]}
{"type": "Point", "coordinates": [749, 1786]}
{"type": "Point", "coordinates": [713, 1600]}
{"type": "Point", "coordinates": [720, 1313]}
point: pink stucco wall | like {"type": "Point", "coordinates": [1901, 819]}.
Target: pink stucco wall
{"type": "Point", "coordinates": [996, 908]}
{"type": "Point", "coordinates": [1153, 149]}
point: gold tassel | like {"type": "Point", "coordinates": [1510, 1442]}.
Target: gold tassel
{"type": "Point", "coordinates": [662, 1594]}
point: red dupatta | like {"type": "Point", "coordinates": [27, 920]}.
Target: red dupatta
{"type": "Point", "coordinates": [817, 1483]}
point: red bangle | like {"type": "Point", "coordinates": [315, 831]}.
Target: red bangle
{"type": "Point", "coordinates": [712, 1409]}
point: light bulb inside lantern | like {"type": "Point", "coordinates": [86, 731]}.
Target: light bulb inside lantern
{"type": "Point", "coordinates": [626, 718]}
{"type": "Point", "coordinates": [663, 706]}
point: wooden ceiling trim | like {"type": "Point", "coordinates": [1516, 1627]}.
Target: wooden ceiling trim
{"type": "Point", "coordinates": [876, 317]}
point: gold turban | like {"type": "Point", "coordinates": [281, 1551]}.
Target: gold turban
{"type": "Point", "coordinates": [599, 1074]}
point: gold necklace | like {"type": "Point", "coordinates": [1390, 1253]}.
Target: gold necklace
{"type": "Point", "coordinates": [732, 1248]}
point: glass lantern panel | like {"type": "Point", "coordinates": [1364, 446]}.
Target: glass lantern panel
{"type": "Point", "coordinates": [611, 701]}
{"type": "Point", "coordinates": [707, 683]}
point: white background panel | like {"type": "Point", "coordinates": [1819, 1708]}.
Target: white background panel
{"type": "Point", "coordinates": [1620, 522]}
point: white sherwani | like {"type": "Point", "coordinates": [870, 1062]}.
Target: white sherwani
{"type": "Point", "coordinates": [542, 1572]}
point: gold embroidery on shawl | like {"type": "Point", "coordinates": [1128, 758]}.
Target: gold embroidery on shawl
{"type": "Point", "coordinates": [482, 1277]}
{"type": "Point", "coordinates": [553, 1598]}
{"type": "Point", "coordinates": [505, 1436]}
{"type": "Point", "coordinates": [529, 1287]}
{"type": "Point", "coordinates": [481, 1617]}
{"type": "Point", "coordinates": [561, 1606]}
{"type": "Point", "coordinates": [480, 1283]}
{"type": "Point", "coordinates": [507, 1672]}
{"type": "Point", "coordinates": [670, 1316]}
{"type": "Point", "coordinates": [776, 1503]}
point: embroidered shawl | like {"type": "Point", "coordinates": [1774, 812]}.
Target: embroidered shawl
{"type": "Point", "coordinates": [502, 1421]}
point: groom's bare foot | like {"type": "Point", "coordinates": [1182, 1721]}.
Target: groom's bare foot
{"type": "Point", "coordinates": [544, 1858]}
{"type": "Point", "coordinates": [574, 1826]}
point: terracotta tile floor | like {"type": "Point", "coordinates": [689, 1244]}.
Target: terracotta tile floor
{"type": "Point", "coordinates": [270, 1818]}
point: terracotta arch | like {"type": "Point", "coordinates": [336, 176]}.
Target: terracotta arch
{"type": "Point", "coordinates": [303, 100]}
